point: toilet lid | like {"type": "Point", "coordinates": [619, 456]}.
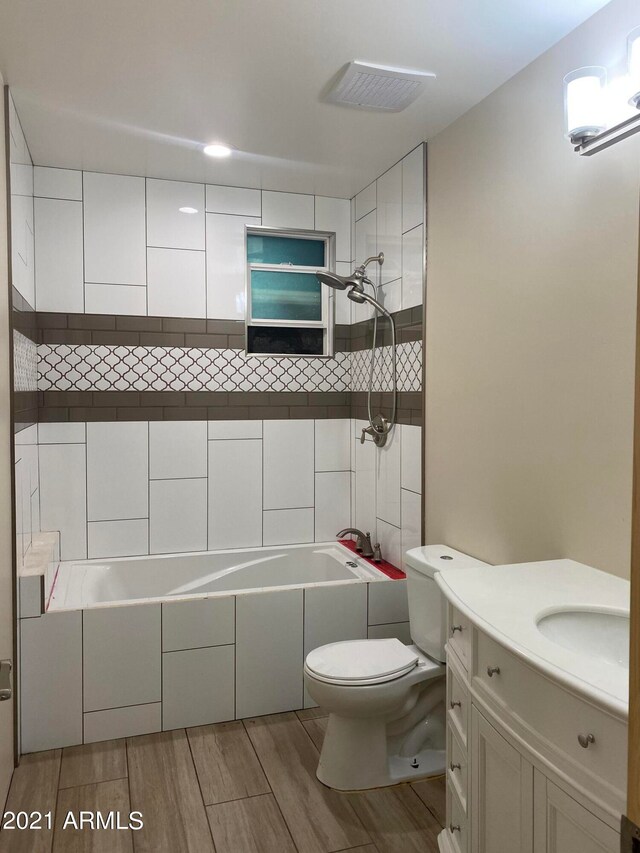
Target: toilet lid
{"type": "Point", "coordinates": [361, 661]}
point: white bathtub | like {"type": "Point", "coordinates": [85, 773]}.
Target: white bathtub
{"type": "Point", "coordinates": [136, 580]}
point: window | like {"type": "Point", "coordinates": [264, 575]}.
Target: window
{"type": "Point", "coordinates": [288, 311]}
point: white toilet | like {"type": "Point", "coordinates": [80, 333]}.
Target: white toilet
{"type": "Point", "coordinates": [386, 700]}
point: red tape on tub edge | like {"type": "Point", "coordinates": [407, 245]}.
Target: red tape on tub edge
{"type": "Point", "coordinates": [387, 569]}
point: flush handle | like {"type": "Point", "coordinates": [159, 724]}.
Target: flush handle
{"type": "Point", "coordinates": [586, 740]}
{"type": "Point", "coordinates": [454, 827]}
{"type": "Point", "coordinates": [5, 680]}
{"type": "Point", "coordinates": [455, 628]}
{"type": "Point", "coordinates": [493, 670]}
{"type": "Point", "coordinates": [453, 767]}
{"type": "Point", "coordinates": [453, 704]}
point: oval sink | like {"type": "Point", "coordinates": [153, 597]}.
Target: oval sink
{"type": "Point", "coordinates": [601, 634]}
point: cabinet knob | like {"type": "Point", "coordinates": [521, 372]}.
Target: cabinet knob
{"type": "Point", "coordinates": [454, 827]}
{"type": "Point", "coordinates": [586, 740]}
{"type": "Point", "coordinates": [453, 704]}
{"type": "Point", "coordinates": [455, 628]}
{"type": "Point", "coordinates": [453, 767]}
{"type": "Point", "coordinates": [493, 670]}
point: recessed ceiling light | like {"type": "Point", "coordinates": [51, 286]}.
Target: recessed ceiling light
{"type": "Point", "coordinates": [188, 209]}
{"type": "Point", "coordinates": [217, 149]}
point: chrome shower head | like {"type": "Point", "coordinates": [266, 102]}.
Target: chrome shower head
{"type": "Point", "coordinates": [332, 279]}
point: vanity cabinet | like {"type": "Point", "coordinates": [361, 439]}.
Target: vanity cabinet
{"type": "Point", "coordinates": [519, 780]}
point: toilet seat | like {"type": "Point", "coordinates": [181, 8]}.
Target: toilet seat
{"type": "Point", "coordinates": [361, 662]}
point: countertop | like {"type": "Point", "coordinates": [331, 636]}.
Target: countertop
{"type": "Point", "coordinates": [506, 601]}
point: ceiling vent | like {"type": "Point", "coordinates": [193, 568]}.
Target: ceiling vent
{"type": "Point", "coordinates": [378, 87]}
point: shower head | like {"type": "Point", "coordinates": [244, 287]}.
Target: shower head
{"type": "Point", "coordinates": [332, 279]}
{"type": "Point", "coordinates": [361, 297]}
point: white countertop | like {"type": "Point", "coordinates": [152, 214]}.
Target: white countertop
{"type": "Point", "coordinates": [505, 602]}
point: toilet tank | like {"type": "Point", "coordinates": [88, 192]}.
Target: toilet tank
{"type": "Point", "coordinates": [427, 605]}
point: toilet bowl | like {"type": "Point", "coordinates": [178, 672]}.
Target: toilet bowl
{"type": "Point", "coordinates": [385, 700]}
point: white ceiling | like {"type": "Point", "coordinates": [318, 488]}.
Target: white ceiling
{"type": "Point", "coordinates": [137, 86]}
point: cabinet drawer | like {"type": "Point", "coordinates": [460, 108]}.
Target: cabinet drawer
{"type": "Point", "coordinates": [458, 701]}
{"type": "Point", "coordinates": [554, 713]}
{"type": "Point", "coordinates": [460, 636]}
{"type": "Point", "coordinates": [457, 827]}
{"type": "Point", "coordinates": [457, 767]}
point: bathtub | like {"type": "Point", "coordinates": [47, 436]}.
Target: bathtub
{"type": "Point", "coordinates": [80, 585]}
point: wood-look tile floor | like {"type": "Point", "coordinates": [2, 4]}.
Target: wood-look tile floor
{"type": "Point", "coordinates": [238, 787]}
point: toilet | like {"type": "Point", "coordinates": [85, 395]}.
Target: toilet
{"type": "Point", "coordinates": [386, 700]}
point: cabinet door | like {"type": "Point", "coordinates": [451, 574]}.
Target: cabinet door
{"type": "Point", "coordinates": [562, 825]}
{"type": "Point", "coordinates": [502, 793]}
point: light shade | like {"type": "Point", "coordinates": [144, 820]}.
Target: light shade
{"type": "Point", "coordinates": [217, 149]}
{"type": "Point", "coordinates": [634, 66]}
{"type": "Point", "coordinates": [585, 107]}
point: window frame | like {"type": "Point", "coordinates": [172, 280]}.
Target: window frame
{"type": "Point", "coordinates": [327, 322]}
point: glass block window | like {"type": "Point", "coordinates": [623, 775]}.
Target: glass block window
{"type": "Point", "coordinates": [288, 311]}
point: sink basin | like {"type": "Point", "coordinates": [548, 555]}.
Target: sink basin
{"type": "Point", "coordinates": [600, 634]}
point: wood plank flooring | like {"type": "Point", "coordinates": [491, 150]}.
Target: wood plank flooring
{"type": "Point", "coordinates": [237, 787]}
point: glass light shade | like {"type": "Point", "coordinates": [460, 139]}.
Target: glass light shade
{"type": "Point", "coordinates": [585, 107]}
{"type": "Point", "coordinates": [634, 66]}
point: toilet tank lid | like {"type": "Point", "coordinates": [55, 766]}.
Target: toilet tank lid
{"type": "Point", "coordinates": [429, 559]}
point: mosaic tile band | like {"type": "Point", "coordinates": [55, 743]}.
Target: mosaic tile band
{"type": "Point", "coordinates": [63, 367]}
{"type": "Point", "coordinates": [25, 367]}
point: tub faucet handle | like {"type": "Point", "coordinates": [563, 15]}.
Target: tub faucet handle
{"type": "Point", "coordinates": [377, 553]}
{"type": "Point", "coordinates": [363, 540]}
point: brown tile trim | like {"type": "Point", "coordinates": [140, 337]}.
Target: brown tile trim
{"type": "Point", "coordinates": [23, 317]}
{"type": "Point", "coordinates": [409, 327]}
{"type": "Point", "coordinates": [409, 409]}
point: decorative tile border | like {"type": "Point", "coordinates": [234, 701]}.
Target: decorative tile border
{"type": "Point", "coordinates": [408, 366]}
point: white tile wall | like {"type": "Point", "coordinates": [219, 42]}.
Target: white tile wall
{"type": "Point", "coordinates": [366, 247]}
{"type": "Point", "coordinates": [236, 200]}
{"type": "Point", "coordinates": [129, 538]}
{"type": "Point", "coordinates": [287, 526]}
{"type": "Point", "coordinates": [220, 430]}
{"type": "Point", "coordinates": [117, 471]}
{"type": "Point", "coordinates": [167, 226]}
{"type": "Point", "coordinates": [122, 722]}
{"type": "Point", "coordinates": [177, 515]}
{"type": "Point", "coordinates": [398, 630]}
{"type": "Point", "coordinates": [269, 652]}
{"type": "Point", "coordinates": [197, 624]}
{"type": "Point", "coordinates": [59, 255]}
{"type": "Point", "coordinates": [411, 536]}
{"type": "Point", "coordinates": [365, 501]}
{"type": "Point", "coordinates": [365, 201]}
{"type": "Point", "coordinates": [388, 478]}
{"type": "Point", "coordinates": [61, 433]}
{"type": "Point", "coordinates": [388, 602]}
{"type": "Point", "coordinates": [287, 210]}
{"type": "Point", "coordinates": [22, 225]}
{"type": "Point", "coordinates": [176, 283]}
{"type": "Point", "coordinates": [63, 496]}
{"type": "Point", "coordinates": [412, 263]}
{"type": "Point", "coordinates": [389, 537]}
{"type": "Point", "coordinates": [389, 223]}
{"type": "Point", "coordinates": [333, 446]}
{"type": "Point", "coordinates": [413, 202]}
{"type": "Point", "coordinates": [198, 687]}
{"type": "Point", "coordinates": [411, 471]}
{"type": "Point", "coordinates": [235, 493]}
{"type": "Point", "coordinates": [114, 229]}
{"type": "Point", "coordinates": [115, 299]}
{"type": "Point", "coordinates": [226, 265]}
{"type": "Point", "coordinates": [57, 183]}
{"type": "Point", "coordinates": [288, 464]}
{"type": "Point", "coordinates": [130, 673]}
{"type": "Point", "coordinates": [333, 504]}
{"type": "Point", "coordinates": [177, 449]}
{"type": "Point", "coordinates": [334, 214]}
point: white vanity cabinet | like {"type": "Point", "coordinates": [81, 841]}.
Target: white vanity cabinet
{"type": "Point", "coordinates": [518, 778]}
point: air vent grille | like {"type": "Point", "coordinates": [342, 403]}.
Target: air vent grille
{"type": "Point", "coordinates": [378, 87]}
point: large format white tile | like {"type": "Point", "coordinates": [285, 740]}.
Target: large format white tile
{"type": "Point", "coordinates": [57, 183]}
{"type": "Point", "coordinates": [114, 229]}
{"type": "Point", "coordinates": [122, 722]}
{"type": "Point", "coordinates": [121, 656]}
{"type": "Point", "coordinates": [198, 623]}
{"type": "Point", "coordinates": [59, 255]}
{"type": "Point", "coordinates": [177, 449]}
{"type": "Point", "coordinates": [388, 478]}
{"type": "Point", "coordinates": [334, 214]}
{"type": "Point", "coordinates": [69, 433]}
{"type": "Point", "coordinates": [411, 469]}
{"type": "Point", "coordinates": [115, 299]}
{"type": "Point", "coordinates": [128, 538]}
{"type": "Point", "coordinates": [269, 652]}
{"type": "Point", "coordinates": [365, 499]}
{"type": "Point", "coordinates": [411, 536]}
{"type": "Point", "coordinates": [398, 630]}
{"type": "Point", "coordinates": [287, 526]}
{"type": "Point", "coordinates": [117, 471]}
{"type": "Point", "coordinates": [63, 496]}
{"type": "Point", "coordinates": [412, 267]}
{"type": "Point", "coordinates": [413, 189]}
{"type": "Point", "coordinates": [388, 602]}
{"type": "Point", "coordinates": [342, 302]}
{"type": "Point", "coordinates": [366, 247]}
{"type": "Point", "coordinates": [177, 516]}
{"type": "Point", "coordinates": [167, 226]}
{"type": "Point", "coordinates": [51, 681]}
{"type": "Point", "coordinates": [390, 295]}
{"type": "Point", "coordinates": [332, 436]}
{"type": "Point", "coordinates": [389, 222]}
{"type": "Point", "coordinates": [287, 210]}
{"type": "Point", "coordinates": [235, 493]}
{"type": "Point", "coordinates": [176, 283]}
{"type": "Point", "coordinates": [365, 201]}
{"type": "Point", "coordinates": [333, 504]}
{"type": "Point", "coordinates": [198, 687]}
{"type": "Point", "coordinates": [236, 200]}
{"type": "Point", "coordinates": [227, 265]}
{"type": "Point", "coordinates": [221, 430]}
{"type": "Point", "coordinates": [389, 538]}
{"type": "Point", "coordinates": [288, 464]}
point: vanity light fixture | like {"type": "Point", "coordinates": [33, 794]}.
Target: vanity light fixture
{"type": "Point", "coordinates": [187, 209]}
{"type": "Point", "coordinates": [217, 149]}
{"type": "Point", "coordinates": [588, 101]}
